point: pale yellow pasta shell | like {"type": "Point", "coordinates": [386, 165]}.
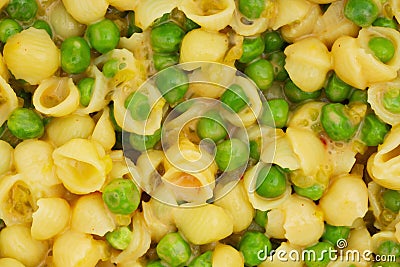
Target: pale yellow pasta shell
{"type": "Point", "coordinates": [8, 100]}
{"type": "Point", "coordinates": [10, 262]}
{"type": "Point", "coordinates": [256, 26]}
{"type": "Point", "coordinates": [204, 224]}
{"type": "Point", "coordinates": [104, 132]}
{"type": "Point", "coordinates": [288, 11]}
{"type": "Point", "coordinates": [56, 96]}
{"type": "Point", "coordinates": [274, 227]}
{"type": "Point", "coordinates": [31, 55]}
{"type": "Point", "coordinates": [146, 11]}
{"type": "Point", "coordinates": [225, 255]}
{"type": "Point", "coordinates": [86, 11]}
{"type": "Point", "coordinates": [211, 15]}
{"type": "Point", "coordinates": [3, 3]}
{"type": "Point", "coordinates": [123, 5]}
{"type": "Point", "coordinates": [307, 63]}
{"type": "Point", "coordinates": [378, 238]}
{"type": "Point", "coordinates": [6, 155]}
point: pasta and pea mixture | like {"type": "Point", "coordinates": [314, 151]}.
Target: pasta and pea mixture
{"type": "Point", "coordinates": [199, 133]}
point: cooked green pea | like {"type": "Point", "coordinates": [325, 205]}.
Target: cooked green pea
{"type": "Point", "coordinates": [278, 60]}
{"type": "Point", "coordinates": [391, 100]}
{"type": "Point", "coordinates": [112, 118]}
{"type": "Point", "coordinates": [333, 234]}
{"type": "Point", "coordinates": [273, 41]}
{"type": "Point", "coordinates": [313, 192]}
{"type": "Point", "coordinates": [385, 22]}
{"type": "Point", "coordinates": [261, 218]}
{"type": "Point", "coordinates": [251, 244]}
{"type": "Point", "coordinates": [75, 55]}
{"type": "Point", "coordinates": [373, 130]}
{"type": "Point", "coordinates": [166, 38]}
{"type": "Point", "coordinates": [25, 123]}
{"type": "Point", "coordinates": [203, 260]}
{"type": "Point", "coordinates": [172, 83]}
{"type": "Point", "coordinates": [361, 12]}
{"type": "Point", "coordinates": [275, 113]}
{"type": "Point", "coordinates": [85, 87]}
{"type": "Point", "coordinates": [358, 96]}
{"type": "Point", "coordinates": [382, 47]}
{"type": "Point", "coordinates": [173, 249]}
{"type": "Point", "coordinates": [8, 27]}
{"type": "Point", "coordinates": [103, 35]}
{"type": "Point", "coordinates": [22, 10]}
{"type": "Point", "coordinates": [156, 263]}
{"type": "Point", "coordinates": [121, 196]}
{"type": "Point", "coordinates": [391, 200]}
{"type": "Point", "coordinates": [110, 68]}
{"type": "Point", "coordinates": [261, 72]}
{"type": "Point", "coordinates": [190, 25]}
{"type": "Point", "coordinates": [389, 247]}
{"type": "Point", "coordinates": [252, 49]}
{"type": "Point", "coordinates": [231, 154]}
{"type": "Point", "coordinates": [254, 150]}
{"type": "Point", "coordinates": [337, 122]}
{"type": "Point", "coordinates": [41, 24]}
{"type": "Point", "coordinates": [162, 61]}
{"type": "Point", "coordinates": [319, 255]}
{"type": "Point", "coordinates": [211, 125]}
{"type": "Point", "coordinates": [296, 95]}
{"type": "Point", "coordinates": [138, 106]}
{"type": "Point", "coordinates": [132, 28]}
{"type": "Point", "coordinates": [336, 89]}
{"type": "Point", "coordinates": [119, 238]}
{"type": "Point", "coordinates": [252, 9]}
{"type": "Point", "coordinates": [235, 98]}
{"type": "Point", "coordinates": [271, 182]}
{"type": "Point", "coordinates": [144, 142]}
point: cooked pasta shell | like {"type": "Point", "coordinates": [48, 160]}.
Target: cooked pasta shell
{"type": "Point", "coordinates": [50, 219]}
{"type": "Point", "coordinates": [10, 262]}
{"type": "Point", "coordinates": [31, 55]}
{"type": "Point", "coordinates": [240, 24]}
{"type": "Point", "coordinates": [147, 165]}
{"type": "Point", "coordinates": [8, 100]}
{"type": "Point", "coordinates": [358, 240]}
{"type": "Point", "coordinates": [211, 15]}
{"type": "Point", "coordinates": [123, 5]}
{"type": "Point", "coordinates": [86, 11]}
{"type": "Point", "coordinates": [288, 11]}
{"type": "Point", "coordinates": [56, 96]}
{"type": "Point", "coordinates": [147, 11]}
{"type": "Point", "coordinates": [274, 227]}
{"type": "Point", "coordinates": [380, 237]}
{"type": "Point", "coordinates": [82, 165]}
{"type": "Point", "coordinates": [226, 255]}
{"type": "Point", "coordinates": [6, 155]}
{"type": "Point", "coordinates": [104, 131]}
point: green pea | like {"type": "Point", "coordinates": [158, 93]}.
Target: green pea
{"type": "Point", "coordinates": [85, 87]}
{"type": "Point", "coordinates": [8, 27]}
{"type": "Point", "coordinates": [119, 238]}
{"type": "Point", "coordinates": [336, 89]}
{"type": "Point", "coordinates": [251, 244]}
{"type": "Point", "coordinates": [361, 12]}
{"type": "Point", "coordinates": [271, 182]}
{"type": "Point", "coordinates": [278, 60]}
{"type": "Point", "coordinates": [252, 49]}
{"type": "Point", "coordinates": [162, 61]}
{"type": "Point", "coordinates": [313, 192]}
{"type": "Point", "coordinates": [389, 247]}
{"type": "Point", "coordinates": [261, 218]}
{"type": "Point", "coordinates": [41, 24]}
{"type": "Point", "coordinates": [337, 122]}
{"type": "Point", "coordinates": [360, 96]}
{"type": "Point", "coordinates": [166, 38]}
{"type": "Point", "coordinates": [391, 100]}
{"type": "Point", "coordinates": [112, 118]}
{"type": "Point", "coordinates": [296, 95]}
{"type": "Point", "coordinates": [319, 255]}
{"type": "Point", "coordinates": [273, 41]}
{"type": "Point", "coordinates": [190, 25]}
{"type": "Point", "coordinates": [25, 123]}
{"type": "Point", "coordinates": [144, 142]}
{"type": "Point", "coordinates": [172, 83]}
{"type": "Point", "coordinates": [156, 263]}
{"type": "Point", "coordinates": [110, 68]}
{"type": "Point", "coordinates": [132, 28]}
{"type": "Point", "coordinates": [275, 113]}
{"type": "Point", "coordinates": [121, 196]}
{"type": "Point", "coordinates": [333, 234]}
{"type": "Point", "coordinates": [373, 130]}
{"type": "Point", "coordinates": [385, 22]}
{"type": "Point", "coordinates": [254, 150]}
{"type": "Point", "coordinates": [391, 200]}
{"type": "Point", "coordinates": [138, 106]}
{"type": "Point", "coordinates": [382, 47]}
{"type": "Point", "coordinates": [103, 35]}
{"type": "Point", "coordinates": [211, 125]}
{"type": "Point", "coordinates": [173, 249]}
{"type": "Point", "coordinates": [75, 55]}
{"type": "Point", "coordinates": [231, 154]}
{"type": "Point", "coordinates": [235, 98]}
{"type": "Point", "coordinates": [22, 10]}
{"type": "Point", "coordinates": [252, 9]}
{"type": "Point", "coordinates": [204, 260]}
{"type": "Point", "coordinates": [261, 72]}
